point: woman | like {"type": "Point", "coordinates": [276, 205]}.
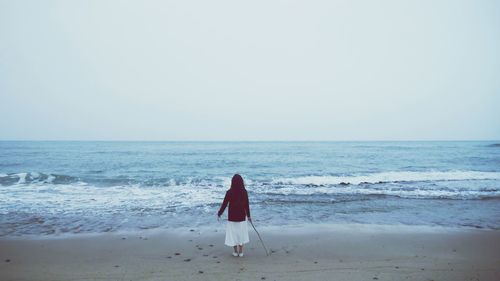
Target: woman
{"type": "Point", "coordinates": [236, 228]}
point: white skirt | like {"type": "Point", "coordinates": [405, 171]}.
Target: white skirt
{"type": "Point", "coordinates": [236, 233]}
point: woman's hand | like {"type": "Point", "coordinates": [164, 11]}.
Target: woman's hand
{"type": "Point", "coordinates": [249, 219]}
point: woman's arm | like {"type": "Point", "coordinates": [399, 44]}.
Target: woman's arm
{"type": "Point", "coordinates": [247, 206]}
{"type": "Point", "coordinates": [224, 205]}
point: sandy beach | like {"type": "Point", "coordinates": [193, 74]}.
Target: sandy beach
{"type": "Point", "coordinates": [306, 252]}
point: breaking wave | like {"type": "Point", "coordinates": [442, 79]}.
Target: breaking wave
{"type": "Point", "coordinates": [388, 177]}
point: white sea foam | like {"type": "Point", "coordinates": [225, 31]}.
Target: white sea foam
{"type": "Point", "coordinates": [22, 178]}
{"type": "Point", "coordinates": [50, 178]}
{"type": "Point", "coordinates": [71, 198]}
{"type": "Point", "coordinates": [394, 176]}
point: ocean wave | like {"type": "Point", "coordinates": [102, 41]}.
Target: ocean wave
{"type": "Point", "coordinates": [88, 208]}
{"type": "Point", "coordinates": [97, 179]}
{"type": "Point", "coordinates": [388, 177]}
{"type": "Point", "coordinates": [411, 192]}
{"type": "Point", "coordinates": [25, 178]}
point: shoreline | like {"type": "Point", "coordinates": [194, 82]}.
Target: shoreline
{"type": "Point", "coordinates": [305, 228]}
{"type": "Point", "coordinates": [302, 252]}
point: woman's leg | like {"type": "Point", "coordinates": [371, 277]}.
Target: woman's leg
{"type": "Point", "coordinates": [240, 249]}
{"type": "Point", "coordinates": [235, 249]}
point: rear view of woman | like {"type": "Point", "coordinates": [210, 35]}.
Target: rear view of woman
{"type": "Point", "coordinates": [239, 211]}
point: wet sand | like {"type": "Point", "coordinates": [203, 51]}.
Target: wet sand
{"type": "Point", "coordinates": [307, 252]}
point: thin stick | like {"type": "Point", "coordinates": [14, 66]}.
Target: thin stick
{"type": "Point", "coordinates": [262, 242]}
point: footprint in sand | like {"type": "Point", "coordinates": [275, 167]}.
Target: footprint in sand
{"type": "Point", "coordinates": [187, 260]}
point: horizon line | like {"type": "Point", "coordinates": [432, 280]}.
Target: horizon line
{"type": "Point", "coordinates": [312, 140]}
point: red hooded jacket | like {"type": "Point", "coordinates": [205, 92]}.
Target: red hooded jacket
{"type": "Point", "coordinates": [238, 205]}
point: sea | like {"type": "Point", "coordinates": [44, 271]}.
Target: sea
{"type": "Point", "coordinates": [51, 188]}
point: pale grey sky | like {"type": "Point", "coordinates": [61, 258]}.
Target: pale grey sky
{"type": "Point", "coordinates": [250, 70]}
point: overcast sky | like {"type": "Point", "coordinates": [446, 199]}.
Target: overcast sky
{"type": "Point", "coordinates": [250, 70]}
